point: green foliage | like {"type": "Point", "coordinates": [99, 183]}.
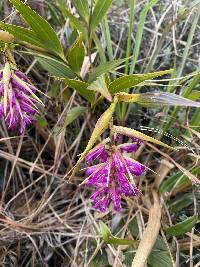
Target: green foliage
{"type": "Point", "coordinates": [181, 202]}
{"type": "Point", "coordinates": [159, 256]}
{"type": "Point", "coordinates": [76, 55]}
{"type": "Point", "coordinates": [81, 88]}
{"type": "Point", "coordinates": [178, 180]}
{"type": "Point", "coordinates": [71, 116]}
{"type": "Point", "coordinates": [103, 68]}
{"type": "Point", "coordinates": [40, 27]}
{"type": "Point", "coordinates": [139, 34]}
{"type": "Point", "coordinates": [41, 120]}
{"type": "Point", "coordinates": [22, 34]}
{"type": "Point", "coordinates": [54, 66]}
{"type": "Point", "coordinates": [74, 21]}
{"type": "Point", "coordinates": [100, 86]}
{"type": "Point", "coordinates": [100, 9]}
{"type": "Point", "coordinates": [89, 36]}
{"type": "Point", "coordinates": [182, 227]}
{"type": "Point", "coordinates": [110, 239]}
{"type": "Point", "coordinates": [82, 8]}
{"type": "Point", "coordinates": [126, 82]}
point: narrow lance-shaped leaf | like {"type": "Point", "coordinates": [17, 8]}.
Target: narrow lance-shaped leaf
{"type": "Point", "coordinates": [99, 12]}
{"type": "Point", "coordinates": [72, 115]}
{"type": "Point", "coordinates": [76, 55]}
{"type": "Point", "coordinates": [41, 120]}
{"type": "Point", "coordinates": [181, 202]}
{"type": "Point", "coordinates": [54, 66]}
{"type": "Point", "coordinates": [125, 82]}
{"type": "Point", "coordinates": [105, 231]}
{"type": "Point", "coordinates": [182, 227]}
{"type": "Point", "coordinates": [110, 239]}
{"type": "Point", "coordinates": [178, 180]}
{"type": "Point", "coordinates": [81, 88]}
{"type": "Point", "coordinates": [22, 34]}
{"type": "Point", "coordinates": [165, 98]}
{"type": "Point", "coordinates": [76, 22]}
{"type": "Point", "coordinates": [140, 30]}
{"type": "Point", "coordinates": [105, 67]}
{"type": "Point", "coordinates": [157, 99]}
{"type": "Point", "coordinates": [100, 86]}
{"type": "Point", "coordinates": [133, 133]}
{"type": "Point", "coordinates": [82, 8]}
{"type": "Point", "coordinates": [40, 26]}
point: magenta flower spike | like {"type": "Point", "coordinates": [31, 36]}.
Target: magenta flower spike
{"type": "Point", "coordinates": [18, 99]}
{"type": "Point", "coordinates": [111, 177]}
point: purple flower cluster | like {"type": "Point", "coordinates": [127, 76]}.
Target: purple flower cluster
{"type": "Point", "coordinates": [111, 177]}
{"type": "Point", "coordinates": [18, 99]}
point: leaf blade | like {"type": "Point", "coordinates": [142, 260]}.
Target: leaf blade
{"type": "Point", "coordinates": [76, 55]}
{"type": "Point", "coordinates": [182, 227]}
{"type": "Point", "coordinates": [99, 85]}
{"type": "Point", "coordinates": [81, 88]}
{"type": "Point", "coordinates": [21, 33]}
{"type": "Point", "coordinates": [105, 67]}
{"type": "Point", "coordinates": [165, 98]}
{"type": "Point", "coordinates": [99, 12]}
{"type": "Point", "coordinates": [126, 82]}
{"type": "Point", "coordinates": [156, 99]}
{"type": "Point", "coordinates": [82, 8]}
{"type": "Point", "coordinates": [40, 26]}
{"type": "Point", "coordinates": [72, 115]}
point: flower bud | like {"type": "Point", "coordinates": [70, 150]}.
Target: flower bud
{"type": "Point", "coordinates": [6, 37]}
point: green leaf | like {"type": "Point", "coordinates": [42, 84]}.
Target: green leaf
{"type": "Point", "coordinates": [120, 241]}
{"type": "Point", "coordinates": [72, 115]}
{"type": "Point", "coordinates": [21, 33]}
{"type": "Point", "coordinates": [194, 95]}
{"type": "Point", "coordinates": [165, 99]}
{"type": "Point", "coordinates": [125, 82]}
{"type": "Point", "coordinates": [110, 239]}
{"type": "Point", "coordinates": [182, 227]}
{"type": "Point", "coordinates": [133, 227]}
{"type": "Point", "coordinates": [177, 181]}
{"type": "Point", "coordinates": [181, 202]}
{"type": "Point", "coordinates": [99, 12]}
{"type": "Point", "coordinates": [82, 8]}
{"type": "Point", "coordinates": [140, 30]}
{"type": "Point", "coordinates": [41, 120]}
{"type": "Point", "coordinates": [54, 66]}
{"type": "Point", "coordinates": [81, 88]}
{"type": "Point", "coordinates": [77, 24]}
{"type": "Point", "coordinates": [160, 259]}
{"type": "Point", "coordinates": [159, 256]}
{"type": "Point", "coordinates": [40, 26]}
{"type": "Point", "coordinates": [105, 231]}
{"type": "Point", "coordinates": [105, 67]}
{"type": "Point", "coordinates": [76, 55]}
{"type": "Point", "coordinates": [100, 86]}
